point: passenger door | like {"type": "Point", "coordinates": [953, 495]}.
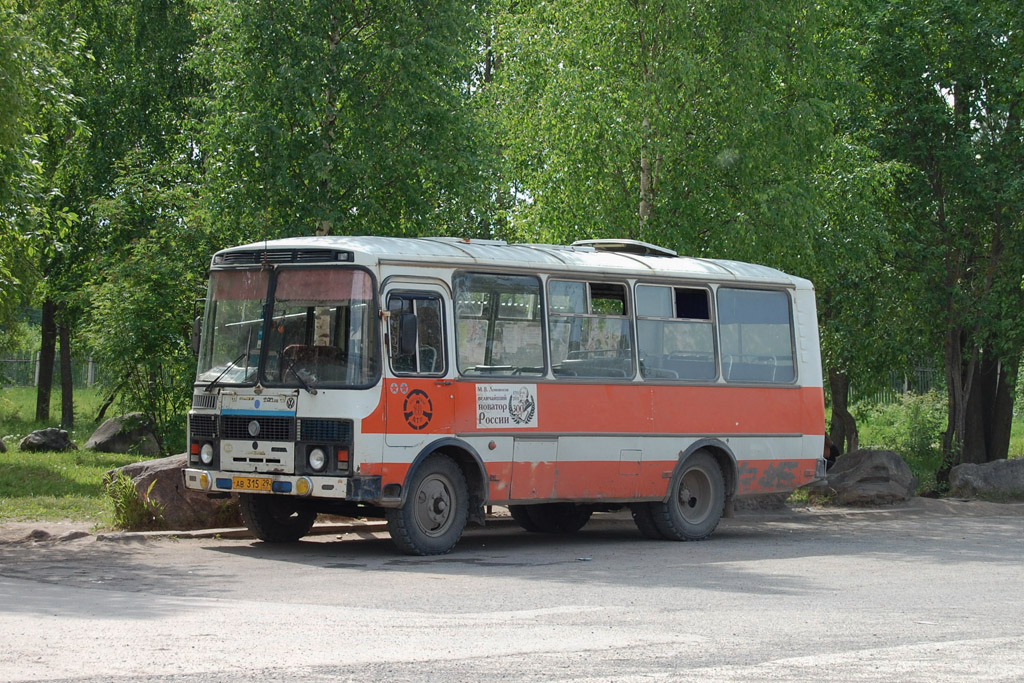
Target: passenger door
{"type": "Point", "coordinates": [420, 399]}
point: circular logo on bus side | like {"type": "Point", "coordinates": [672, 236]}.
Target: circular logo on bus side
{"type": "Point", "coordinates": [418, 409]}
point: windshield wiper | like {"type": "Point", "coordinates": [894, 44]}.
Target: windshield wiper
{"type": "Point", "coordinates": [244, 354]}
{"type": "Point", "coordinates": [296, 375]}
{"type": "Point", "coordinates": [223, 372]}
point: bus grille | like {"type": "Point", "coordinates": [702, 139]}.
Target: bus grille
{"type": "Point", "coordinates": [204, 400]}
{"type": "Point", "coordinates": [203, 426]}
{"type": "Point", "coordinates": [271, 428]}
{"type": "Point", "coordinates": [324, 431]}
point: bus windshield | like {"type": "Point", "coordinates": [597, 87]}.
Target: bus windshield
{"type": "Point", "coordinates": [322, 329]}
{"type": "Point", "coordinates": [234, 327]}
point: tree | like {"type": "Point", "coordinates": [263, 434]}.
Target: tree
{"type": "Point", "coordinates": [131, 91]}
{"type": "Point", "coordinates": [140, 318]}
{"type": "Point", "coordinates": [328, 117]}
{"type": "Point", "coordinates": [864, 317]}
{"type": "Point", "coordinates": [36, 99]}
{"type": "Point", "coordinates": [695, 125]}
{"type": "Point", "coordinates": [947, 98]}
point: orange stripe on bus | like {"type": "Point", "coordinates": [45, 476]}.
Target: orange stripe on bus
{"type": "Point", "coordinates": [625, 409]}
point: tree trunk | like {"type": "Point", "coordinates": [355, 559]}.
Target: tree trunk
{"type": "Point", "coordinates": [67, 391]}
{"type": "Point", "coordinates": [989, 413]}
{"type": "Point", "coordinates": [959, 381]}
{"type": "Point", "coordinates": [646, 180]}
{"type": "Point", "coordinates": [843, 428]}
{"type": "Point", "coordinates": [47, 352]}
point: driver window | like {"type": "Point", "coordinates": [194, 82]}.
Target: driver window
{"type": "Point", "coordinates": [424, 353]}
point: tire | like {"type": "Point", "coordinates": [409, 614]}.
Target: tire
{"type": "Point", "coordinates": [274, 519]}
{"type": "Point", "coordinates": [436, 509]}
{"type": "Point", "coordinates": [643, 517]}
{"type": "Point", "coordinates": [696, 500]}
{"type": "Point", "coordinates": [521, 513]}
{"type": "Point", "coordinates": [558, 518]}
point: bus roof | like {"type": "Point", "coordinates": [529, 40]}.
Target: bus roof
{"type": "Point", "coordinates": [623, 257]}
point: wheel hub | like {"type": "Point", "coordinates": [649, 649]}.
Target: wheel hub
{"type": "Point", "coordinates": [433, 506]}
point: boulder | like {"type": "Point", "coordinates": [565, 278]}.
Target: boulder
{"type": "Point", "coordinates": [131, 433]}
{"type": "Point", "coordinates": [51, 439]}
{"type": "Point", "coordinates": [159, 484]}
{"type": "Point", "coordinates": [996, 480]}
{"type": "Point", "coordinates": [868, 477]}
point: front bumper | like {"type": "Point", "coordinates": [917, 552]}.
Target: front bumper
{"type": "Point", "coordinates": [361, 489]}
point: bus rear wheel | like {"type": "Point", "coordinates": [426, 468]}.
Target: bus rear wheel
{"type": "Point", "coordinates": [521, 514]}
{"type": "Point", "coordinates": [434, 514]}
{"type": "Point", "coordinates": [696, 500]}
{"type": "Point", "coordinates": [558, 518]}
{"type": "Point", "coordinates": [643, 517]}
{"type": "Point", "coordinates": [274, 519]}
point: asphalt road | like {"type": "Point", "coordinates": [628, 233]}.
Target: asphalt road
{"type": "Point", "coordinates": [929, 592]}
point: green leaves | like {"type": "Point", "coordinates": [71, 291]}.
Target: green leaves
{"type": "Point", "coordinates": [351, 116]}
{"type": "Point", "coordinates": [713, 114]}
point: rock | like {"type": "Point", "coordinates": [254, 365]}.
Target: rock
{"type": "Point", "coordinates": [868, 477]}
{"type": "Point", "coordinates": [51, 439]}
{"type": "Point", "coordinates": [159, 484]}
{"type": "Point", "coordinates": [999, 479]}
{"type": "Point", "coordinates": [131, 433]}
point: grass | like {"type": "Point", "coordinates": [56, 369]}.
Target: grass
{"type": "Point", "coordinates": [53, 486]}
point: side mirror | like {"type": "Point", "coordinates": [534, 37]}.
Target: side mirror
{"type": "Point", "coordinates": [197, 334]}
{"type": "Point", "coordinates": [407, 325]}
{"type": "Point", "coordinates": [197, 325]}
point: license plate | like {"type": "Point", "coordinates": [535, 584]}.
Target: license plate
{"type": "Point", "coordinates": [251, 483]}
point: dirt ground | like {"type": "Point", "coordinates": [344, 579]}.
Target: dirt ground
{"type": "Point", "coordinates": [69, 530]}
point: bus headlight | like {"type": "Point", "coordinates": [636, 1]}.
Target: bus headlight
{"type": "Point", "coordinates": [317, 459]}
{"type": "Point", "coordinates": [206, 453]}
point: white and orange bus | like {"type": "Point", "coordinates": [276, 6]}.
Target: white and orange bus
{"type": "Point", "coordinates": [423, 380]}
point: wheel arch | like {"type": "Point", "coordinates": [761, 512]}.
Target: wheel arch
{"type": "Point", "coordinates": [468, 460]}
{"type": "Point", "coordinates": [722, 454]}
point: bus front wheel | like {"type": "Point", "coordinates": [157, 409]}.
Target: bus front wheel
{"type": "Point", "coordinates": [434, 514]}
{"type": "Point", "coordinates": [696, 500]}
{"type": "Point", "coordinates": [274, 519]}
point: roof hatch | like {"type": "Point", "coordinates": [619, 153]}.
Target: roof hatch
{"type": "Point", "coordinates": [634, 247]}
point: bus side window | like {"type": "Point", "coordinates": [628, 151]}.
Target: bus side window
{"type": "Point", "coordinates": [676, 335]}
{"type": "Point", "coordinates": [756, 329]}
{"type": "Point", "coordinates": [589, 329]}
{"type": "Point", "coordinates": [498, 328]}
{"type": "Point", "coordinates": [416, 334]}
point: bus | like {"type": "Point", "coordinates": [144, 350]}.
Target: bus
{"type": "Point", "coordinates": [425, 380]}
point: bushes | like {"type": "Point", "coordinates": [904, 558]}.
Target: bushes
{"type": "Point", "coordinates": [132, 512]}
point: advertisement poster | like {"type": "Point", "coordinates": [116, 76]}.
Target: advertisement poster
{"type": "Point", "coordinates": [506, 406]}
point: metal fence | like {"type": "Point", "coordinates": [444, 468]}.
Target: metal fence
{"type": "Point", "coordinates": [23, 371]}
{"type": "Point", "coordinates": [920, 381]}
